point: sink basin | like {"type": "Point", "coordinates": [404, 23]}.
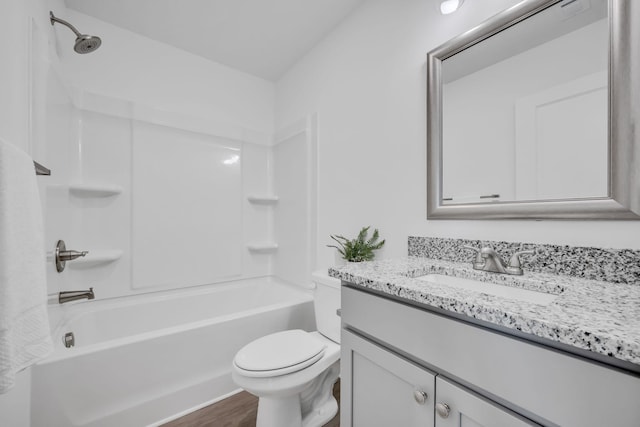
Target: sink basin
{"type": "Point", "coordinates": [520, 294]}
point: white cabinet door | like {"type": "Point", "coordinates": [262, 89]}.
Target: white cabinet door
{"type": "Point", "coordinates": [381, 389]}
{"type": "Point", "coordinates": [457, 407]}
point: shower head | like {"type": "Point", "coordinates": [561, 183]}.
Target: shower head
{"type": "Point", "coordinates": [84, 42]}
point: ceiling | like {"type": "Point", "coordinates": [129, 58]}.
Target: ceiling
{"type": "Point", "coordinates": [260, 37]}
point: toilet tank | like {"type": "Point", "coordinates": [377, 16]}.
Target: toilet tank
{"type": "Point", "coordinates": [326, 301]}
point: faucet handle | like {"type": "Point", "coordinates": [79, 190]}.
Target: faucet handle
{"type": "Point", "coordinates": [478, 263]}
{"type": "Point", "coordinates": [515, 267]}
{"type": "Point", "coordinates": [62, 255]}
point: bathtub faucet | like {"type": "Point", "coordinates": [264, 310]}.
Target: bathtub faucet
{"type": "Point", "coordinates": [67, 296]}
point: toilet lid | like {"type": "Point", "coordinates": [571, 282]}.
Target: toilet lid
{"type": "Point", "coordinates": [280, 350]}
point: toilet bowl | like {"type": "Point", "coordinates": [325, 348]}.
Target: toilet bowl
{"type": "Point", "coordinates": [293, 372]}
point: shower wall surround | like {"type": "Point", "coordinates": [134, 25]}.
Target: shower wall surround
{"type": "Point", "coordinates": [186, 207]}
{"type": "Point", "coordinates": [189, 147]}
{"type": "Point", "coordinates": [295, 214]}
{"type": "Point", "coordinates": [163, 201]}
{"type": "Point", "coordinates": [609, 265]}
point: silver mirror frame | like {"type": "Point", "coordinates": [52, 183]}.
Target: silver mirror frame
{"type": "Point", "coordinates": [624, 124]}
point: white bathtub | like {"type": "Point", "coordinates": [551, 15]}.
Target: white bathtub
{"type": "Point", "coordinates": [145, 360]}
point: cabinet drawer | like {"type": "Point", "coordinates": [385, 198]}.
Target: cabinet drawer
{"type": "Point", "coordinates": [545, 385]}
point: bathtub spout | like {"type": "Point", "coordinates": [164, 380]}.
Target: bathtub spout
{"type": "Point", "coordinates": [67, 296]}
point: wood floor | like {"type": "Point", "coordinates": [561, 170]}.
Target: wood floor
{"type": "Point", "coordinates": [238, 410]}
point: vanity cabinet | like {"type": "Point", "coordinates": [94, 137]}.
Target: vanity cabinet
{"type": "Point", "coordinates": [389, 390]}
{"type": "Point", "coordinates": [393, 351]}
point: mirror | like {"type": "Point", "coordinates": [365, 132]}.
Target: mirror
{"type": "Point", "coordinates": [531, 115]}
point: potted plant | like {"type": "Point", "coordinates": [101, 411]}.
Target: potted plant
{"type": "Point", "coordinates": [360, 248]}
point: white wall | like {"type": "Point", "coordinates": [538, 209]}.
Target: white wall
{"type": "Point", "coordinates": [132, 67]}
{"type": "Point", "coordinates": [15, 94]}
{"type": "Point", "coordinates": [15, 49]}
{"type": "Point", "coordinates": [367, 82]}
{"type": "Point", "coordinates": [13, 73]}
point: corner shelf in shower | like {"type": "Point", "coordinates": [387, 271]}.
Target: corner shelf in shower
{"type": "Point", "coordinates": [263, 199]}
{"type": "Point", "coordinates": [96, 258]}
{"type": "Point", "coordinates": [94, 190]}
{"type": "Point", "coordinates": [262, 247]}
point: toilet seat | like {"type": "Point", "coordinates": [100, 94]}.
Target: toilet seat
{"type": "Point", "coordinates": [279, 354]}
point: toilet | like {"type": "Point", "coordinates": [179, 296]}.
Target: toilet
{"type": "Point", "coordinates": [293, 372]}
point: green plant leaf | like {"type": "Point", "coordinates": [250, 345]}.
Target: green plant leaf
{"type": "Point", "coordinates": [360, 248]}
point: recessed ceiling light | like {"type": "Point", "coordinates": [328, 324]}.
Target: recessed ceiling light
{"type": "Point", "coordinates": [450, 6]}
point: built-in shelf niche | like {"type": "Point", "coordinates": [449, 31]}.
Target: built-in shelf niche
{"type": "Point", "coordinates": [262, 247]}
{"type": "Point", "coordinates": [96, 258]}
{"type": "Point", "coordinates": [94, 190]}
{"type": "Point", "coordinates": [263, 199]}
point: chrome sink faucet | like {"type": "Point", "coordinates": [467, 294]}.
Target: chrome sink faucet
{"type": "Point", "coordinates": [487, 259]}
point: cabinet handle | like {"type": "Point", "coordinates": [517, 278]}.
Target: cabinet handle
{"type": "Point", "coordinates": [443, 409]}
{"type": "Point", "coordinates": [420, 396]}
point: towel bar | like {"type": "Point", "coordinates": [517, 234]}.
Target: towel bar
{"type": "Point", "coordinates": [41, 170]}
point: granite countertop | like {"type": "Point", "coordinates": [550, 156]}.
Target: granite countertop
{"type": "Point", "coordinates": [597, 316]}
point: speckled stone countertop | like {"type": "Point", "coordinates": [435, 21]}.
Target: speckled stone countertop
{"type": "Point", "coordinates": [596, 316]}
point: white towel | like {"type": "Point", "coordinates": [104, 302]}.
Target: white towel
{"type": "Point", "coordinates": [24, 325]}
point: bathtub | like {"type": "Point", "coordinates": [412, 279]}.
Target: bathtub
{"type": "Point", "coordinates": [145, 360]}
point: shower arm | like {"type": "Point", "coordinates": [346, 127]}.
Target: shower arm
{"type": "Point", "coordinates": [53, 19]}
